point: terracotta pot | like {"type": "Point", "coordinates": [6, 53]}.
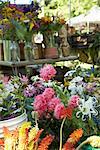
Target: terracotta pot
{"type": "Point", "coordinates": [51, 52]}
{"type": "Point", "coordinates": [13, 123]}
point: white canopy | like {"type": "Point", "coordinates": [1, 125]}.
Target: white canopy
{"type": "Point", "coordinates": [92, 16]}
{"type": "Point", "coordinates": [76, 20]}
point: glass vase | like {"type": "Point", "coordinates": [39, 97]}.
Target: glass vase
{"type": "Point", "coordinates": [14, 51]}
{"type": "Point", "coordinates": [28, 51]}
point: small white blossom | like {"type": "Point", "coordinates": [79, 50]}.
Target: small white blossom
{"type": "Point", "coordinates": [87, 108]}
{"type": "Point", "coordinates": [69, 73]}
{"type": "Point", "coordinates": [77, 79]}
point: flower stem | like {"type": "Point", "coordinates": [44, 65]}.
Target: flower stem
{"type": "Point", "coordinates": [83, 143]}
{"type": "Point", "coordinates": [60, 147]}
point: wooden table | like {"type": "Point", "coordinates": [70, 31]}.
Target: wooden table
{"type": "Point", "coordinates": [16, 65]}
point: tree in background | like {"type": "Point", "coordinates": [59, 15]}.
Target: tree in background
{"type": "Point", "coordinates": [62, 7]}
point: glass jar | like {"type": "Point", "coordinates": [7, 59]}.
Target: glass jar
{"type": "Point", "coordinates": [14, 52]}
{"type": "Point", "coordinates": [28, 51]}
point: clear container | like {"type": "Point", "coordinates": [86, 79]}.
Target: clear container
{"type": "Point", "coordinates": [14, 51]}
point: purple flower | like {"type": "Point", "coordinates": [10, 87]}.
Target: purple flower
{"type": "Point", "coordinates": [29, 91]}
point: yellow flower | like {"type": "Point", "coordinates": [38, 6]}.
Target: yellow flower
{"type": "Point", "coordinates": [23, 137]}
{"type": "Point", "coordinates": [31, 25]}
{"type": "Point", "coordinates": [32, 134]}
{"type": "Point", "coordinates": [94, 141]}
{"type": "Point", "coordinates": [10, 138]}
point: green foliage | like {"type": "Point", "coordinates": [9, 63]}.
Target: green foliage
{"type": "Point", "coordinates": [62, 6]}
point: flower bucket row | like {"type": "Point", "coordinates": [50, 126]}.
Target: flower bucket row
{"type": "Point", "coordinates": [58, 109]}
{"type": "Point", "coordinates": [28, 137]}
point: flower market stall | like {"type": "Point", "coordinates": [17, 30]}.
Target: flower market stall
{"type": "Point", "coordinates": [32, 39]}
{"type": "Point", "coordinates": [39, 111]}
{"type": "Point", "coordinates": [67, 113]}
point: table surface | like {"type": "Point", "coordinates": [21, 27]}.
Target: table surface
{"type": "Point", "coordinates": [38, 61]}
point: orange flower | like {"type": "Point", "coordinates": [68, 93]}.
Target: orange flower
{"type": "Point", "coordinates": [68, 146]}
{"type": "Point", "coordinates": [38, 135]}
{"type": "Point", "coordinates": [1, 142]}
{"type": "Point", "coordinates": [45, 142]}
{"type": "Point", "coordinates": [62, 21]}
{"type": "Point", "coordinates": [75, 136]}
{"type": "Point", "coordinates": [6, 132]}
{"type": "Point", "coordinates": [67, 112]}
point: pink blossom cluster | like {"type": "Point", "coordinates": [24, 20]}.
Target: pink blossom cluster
{"type": "Point", "coordinates": [73, 102]}
{"type": "Point", "coordinates": [47, 72]}
{"type": "Point", "coordinates": [48, 102]}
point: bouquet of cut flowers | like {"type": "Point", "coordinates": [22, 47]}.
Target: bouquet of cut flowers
{"type": "Point", "coordinates": [12, 101]}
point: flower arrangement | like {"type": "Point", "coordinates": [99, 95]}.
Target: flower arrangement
{"type": "Point", "coordinates": [11, 96]}
{"type": "Point", "coordinates": [28, 137]}
{"type": "Point", "coordinates": [19, 19]}
{"type": "Point", "coordinates": [48, 26]}
{"type": "Point", "coordinates": [24, 138]}
{"type": "Point", "coordinates": [54, 107]}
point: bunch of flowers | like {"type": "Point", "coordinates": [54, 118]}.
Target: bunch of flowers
{"type": "Point", "coordinates": [28, 137]}
{"type": "Point", "coordinates": [25, 138]}
{"type": "Point", "coordinates": [21, 19]}
{"type": "Point", "coordinates": [11, 96]}
{"type": "Point", "coordinates": [49, 25]}
{"type": "Point", "coordinates": [55, 103]}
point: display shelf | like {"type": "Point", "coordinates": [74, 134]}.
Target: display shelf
{"type": "Point", "coordinates": [16, 65]}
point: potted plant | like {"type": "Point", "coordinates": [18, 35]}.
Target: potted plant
{"type": "Point", "coordinates": [12, 102]}
{"type": "Point", "coordinates": [48, 27]}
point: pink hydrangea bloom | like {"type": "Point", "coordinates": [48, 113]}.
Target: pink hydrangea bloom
{"type": "Point", "coordinates": [73, 102]}
{"type": "Point", "coordinates": [53, 103]}
{"type": "Point", "coordinates": [47, 72]}
{"type": "Point", "coordinates": [58, 110]}
{"type": "Point", "coordinates": [40, 104]}
{"type": "Point", "coordinates": [48, 94]}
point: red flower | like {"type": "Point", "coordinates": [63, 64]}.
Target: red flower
{"type": "Point", "coordinates": [67, 112]}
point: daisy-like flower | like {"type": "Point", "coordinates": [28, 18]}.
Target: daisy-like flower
{"type": "Point", "coordinates": [77, 79]}
{"type": "Point", "coordinates": [24, 79]}
{"type": "Point", "coordinates": [87, 108]}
